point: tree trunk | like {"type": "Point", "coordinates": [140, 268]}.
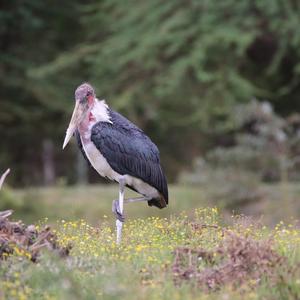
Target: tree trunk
{"type": "Point", "coordinates": [48, 162]}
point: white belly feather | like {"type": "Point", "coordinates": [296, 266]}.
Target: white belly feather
{"type": "Point", "coordinates": [98, 161]}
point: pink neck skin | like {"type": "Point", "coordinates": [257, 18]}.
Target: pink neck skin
{"type": "Point", "coordinates": [85, 125]}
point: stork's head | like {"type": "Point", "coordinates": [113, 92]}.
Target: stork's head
{"type": "Point", "coordinates": [84, 100]}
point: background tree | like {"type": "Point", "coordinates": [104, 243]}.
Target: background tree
{"type": "Point", "coordinates": [176, 68]}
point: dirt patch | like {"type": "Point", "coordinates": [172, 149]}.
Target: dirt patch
{"type": "Point", "coordinates": [18, 238]}
{"type": "Point", "coordinates": [236, 260]}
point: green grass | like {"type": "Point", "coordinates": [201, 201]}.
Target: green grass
{"type": "Point", "coordinates": [147, 266]}
{"type": "Point", "coordinates": [280, 202]}
{"type": "Point", "coordinates": [92, 202]}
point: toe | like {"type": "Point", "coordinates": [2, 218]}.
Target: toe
{"type": "Point", "coordinates": [120, 217]}
{"type": "Point", "coordinates": [115, 206]}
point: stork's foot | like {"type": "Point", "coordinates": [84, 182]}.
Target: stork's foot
{"type": "Point", "coordinates": [116, 210]}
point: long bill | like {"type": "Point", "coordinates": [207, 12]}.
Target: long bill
{"type": "Point", "coordinates": [77, 117]}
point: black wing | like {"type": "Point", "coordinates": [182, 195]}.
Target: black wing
{"type": "Point", "coordinates": [129, 151]}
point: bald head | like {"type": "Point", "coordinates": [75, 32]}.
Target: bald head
{"type": "Point", "coordinates": [84, 92]}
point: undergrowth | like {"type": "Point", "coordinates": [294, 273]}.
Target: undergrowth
{"type": "Point", "coordinates": [160, 258]}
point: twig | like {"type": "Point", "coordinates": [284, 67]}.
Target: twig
{"type": "Point", "coordinates": [2, 178]}
{"type": "Point", "coordinates": [6, 213]}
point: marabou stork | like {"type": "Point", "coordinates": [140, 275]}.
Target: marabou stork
{"type": "Point", "coordinates": [118, 150]}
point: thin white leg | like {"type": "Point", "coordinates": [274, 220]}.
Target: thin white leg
{"type": "Point", "coordinates": [119, 224]}
{"type": "Point", "coordinates": [137, 199]}
{"type": "Point", "coordinates": [116, 206]}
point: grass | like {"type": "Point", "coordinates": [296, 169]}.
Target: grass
{"type": "Point", "coordinates": [92, 203]}
{"type": "Point", "coordinates": [183, 252]}
{"type": "Point", "coordinates": [280, 202]}
{"type": "Point", "coordinates": [181, 257]}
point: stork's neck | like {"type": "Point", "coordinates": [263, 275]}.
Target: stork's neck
{"type": "Point", "coordinates": [99, 112]}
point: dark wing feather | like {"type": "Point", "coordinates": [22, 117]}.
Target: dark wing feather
{"type": "Point", "coordinates": [129, 151]}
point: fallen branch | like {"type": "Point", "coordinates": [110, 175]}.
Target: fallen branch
{"type": "Point", "coordinates": [6, 213]}
{"type": "Point", "coordinates": [27, 241]}
{"type": "Point", "coordinates": [2, 178]}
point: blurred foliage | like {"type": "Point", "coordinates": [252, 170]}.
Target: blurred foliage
{"type": "Point", "coordinates": [229, 187]}
{"type": "Point", "coordinates": [262, 143]}
{"type": "Point", "coordinates": [8, 200]}
{"type": "Point", "coordinates": [31, 32]}
{"type": "Point", "coordinates": [261, 147]}
{"type": "Point", "coordinates": [176, 68]}
{"type": "Point", "coordinates": [25, 206]}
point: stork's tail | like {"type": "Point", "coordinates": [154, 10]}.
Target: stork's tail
{"type": "Point", "coordinates": [158, 202]}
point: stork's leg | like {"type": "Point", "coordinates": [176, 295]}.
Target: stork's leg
{"type": "Point", "coordinates": [116, 207]}
{"type": "Point", "coordinates": [116, 210]}
{"type": "Point", "coordinates": [137, 199]}
{"type": "Point", "coordinates": [119, 221]}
